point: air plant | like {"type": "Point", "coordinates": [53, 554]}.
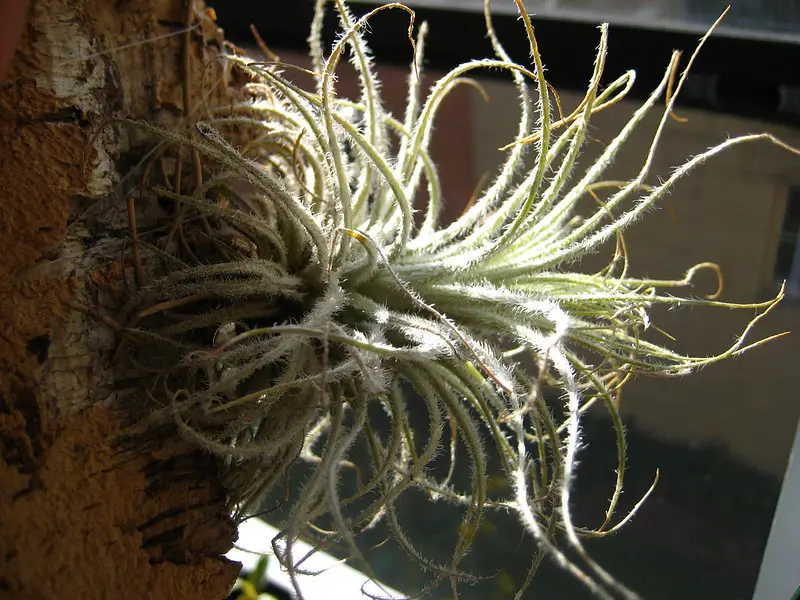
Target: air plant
{"type": "Point", "coordinates": [294, 294]}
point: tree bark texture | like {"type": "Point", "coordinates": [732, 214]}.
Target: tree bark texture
{"type": "Point", "coordinates": [79, 516]}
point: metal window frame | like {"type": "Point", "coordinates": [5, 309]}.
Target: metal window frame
{"type": "Point", "coordinates": [779, 576]}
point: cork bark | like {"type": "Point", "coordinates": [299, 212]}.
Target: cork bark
{"type": "Point", "coordinates": [80, 516]}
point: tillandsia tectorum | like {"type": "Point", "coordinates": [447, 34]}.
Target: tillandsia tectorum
{"type": "Point", "coordinates": [296, 299]}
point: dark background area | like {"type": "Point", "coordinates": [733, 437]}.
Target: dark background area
{"type": "Point", "coordinates": [700, 535]}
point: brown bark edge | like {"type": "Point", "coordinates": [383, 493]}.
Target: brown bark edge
{"type": "Point", "coordinates": [78, 519]}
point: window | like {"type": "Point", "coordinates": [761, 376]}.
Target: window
{"type": "Point", "coordinates": [787, 260]}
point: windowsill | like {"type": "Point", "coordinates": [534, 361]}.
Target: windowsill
{"type": "Point", "coordinates": [335, 581]}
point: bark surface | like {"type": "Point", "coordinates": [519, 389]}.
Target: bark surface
{"type": "Point", "coordinates": [79, 516]}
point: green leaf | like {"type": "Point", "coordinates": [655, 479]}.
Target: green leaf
{"type": "Point", "coordinates": [259, 574]}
